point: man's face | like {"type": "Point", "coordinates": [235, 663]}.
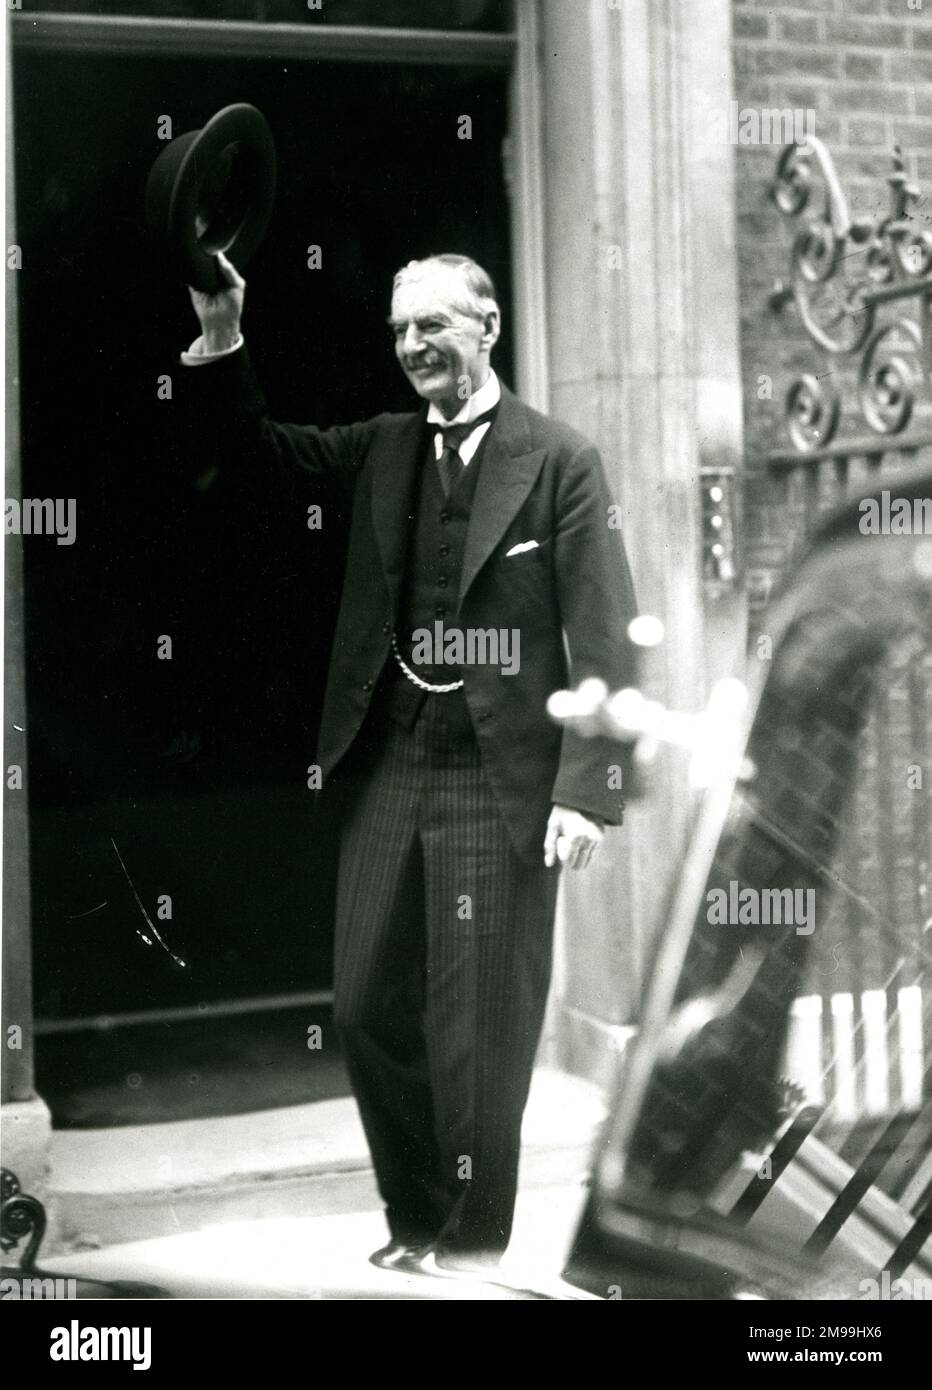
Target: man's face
{"type": "Point", "coordinates": [442, 348]}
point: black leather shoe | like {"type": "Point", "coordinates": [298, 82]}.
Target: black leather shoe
{"type": "Point", "coordinates": [391, 1255]}
{"type": "Point", "coordinates": [434, 1264]}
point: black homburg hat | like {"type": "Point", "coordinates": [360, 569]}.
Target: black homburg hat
{"type": "Point", "coordinates": [212, 190]}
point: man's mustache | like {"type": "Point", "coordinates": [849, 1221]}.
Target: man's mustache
{"type": "Point", "coordinates": [424, 360]}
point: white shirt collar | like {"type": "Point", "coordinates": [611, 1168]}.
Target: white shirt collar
{"type": "Point", "coordinates": [488, 395]}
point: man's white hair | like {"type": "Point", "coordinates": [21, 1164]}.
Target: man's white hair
{"type": "Point", "coordinates": [479, 296]}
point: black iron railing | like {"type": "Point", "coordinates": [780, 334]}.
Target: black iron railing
{"type": "Point", "coordinates": [862, 414]}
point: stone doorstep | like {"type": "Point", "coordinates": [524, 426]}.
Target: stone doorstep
{"type": "Point", "coordinates": [140, 1182]}
{"type": "Point", "coordinates": [324, 1255]}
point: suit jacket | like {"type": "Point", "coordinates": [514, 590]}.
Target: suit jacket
{"type": "Point", "coordinates": [570, 597]}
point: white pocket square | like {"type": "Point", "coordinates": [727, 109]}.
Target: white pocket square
{"type": "Point", "coordinates": [519, 549]}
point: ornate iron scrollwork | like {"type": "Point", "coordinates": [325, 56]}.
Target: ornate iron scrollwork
{"type": "Point", "coordinates": [21, 1218]}
{"type": "Point", "coordinates": [844, 270]}
{"type": "Point", "coordinates": [889, 376]}
{"type": "Point", "coordinates": [811, 412]}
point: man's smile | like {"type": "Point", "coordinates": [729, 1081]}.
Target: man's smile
{"type": "Point", "coordinates": [425, 365]}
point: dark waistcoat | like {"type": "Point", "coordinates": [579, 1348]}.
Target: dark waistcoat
{"type": "Point", "coordinates": [430, 593]}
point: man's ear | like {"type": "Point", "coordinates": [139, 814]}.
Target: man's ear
{"type": "Point", "coordinates": [491, 328]}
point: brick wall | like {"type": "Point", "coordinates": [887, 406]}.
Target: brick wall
{"type": "Point", "coordinates": [864, 67]}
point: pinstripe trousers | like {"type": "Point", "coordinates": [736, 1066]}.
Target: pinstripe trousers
{"type": "Point", "coordinates": [442, 964]}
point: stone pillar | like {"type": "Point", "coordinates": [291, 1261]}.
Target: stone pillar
{"type": "Point", "coordinates": [643, 358]}
{"type": "Point", "coordinates": [26, 1123]}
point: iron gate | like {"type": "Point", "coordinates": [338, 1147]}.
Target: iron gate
{"type": "Point", "coordinates": [861, 1036]}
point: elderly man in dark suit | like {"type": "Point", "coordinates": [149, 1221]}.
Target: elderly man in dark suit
{"type": "Point", "coordinates": [482, 574]}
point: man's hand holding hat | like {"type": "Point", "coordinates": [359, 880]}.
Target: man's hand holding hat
{"type": "Point", "coordinates": [220, 312]}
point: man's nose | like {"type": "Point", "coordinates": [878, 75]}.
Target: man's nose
{"type": "Point", "coordinates": [413, 342]}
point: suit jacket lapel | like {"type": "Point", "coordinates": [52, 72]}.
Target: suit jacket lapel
{"type": "Point", "coordinates": [398, 453]}
{"type": "Point", "coordinates": [508, 472]}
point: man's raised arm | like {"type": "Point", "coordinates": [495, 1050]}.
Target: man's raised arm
{"type": "Point", "coordinates": [228, 406]}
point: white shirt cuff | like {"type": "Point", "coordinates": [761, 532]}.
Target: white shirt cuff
{"type": "Point", "coordinates": [197, 357]}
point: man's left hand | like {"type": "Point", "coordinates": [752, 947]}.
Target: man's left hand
{"type": "Point", "coordinates": [572, 838]}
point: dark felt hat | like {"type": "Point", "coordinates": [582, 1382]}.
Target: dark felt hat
{"type": "Point", "coordinates": [212, 190]}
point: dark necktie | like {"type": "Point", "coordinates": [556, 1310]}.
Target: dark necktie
{"type": "Point", "coordinates": [450, 465]}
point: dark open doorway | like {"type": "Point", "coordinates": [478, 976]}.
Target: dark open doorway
{"type": "Point", "coordinates": [186, 779]}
